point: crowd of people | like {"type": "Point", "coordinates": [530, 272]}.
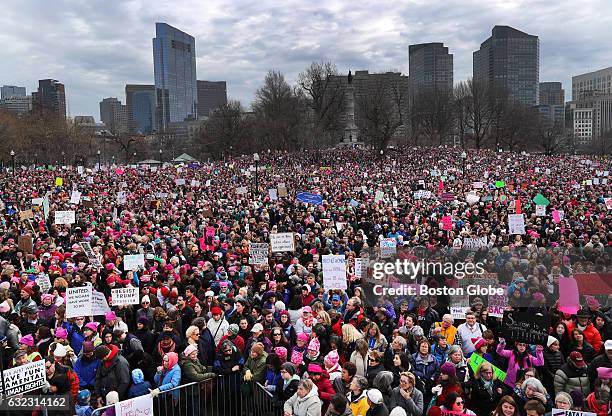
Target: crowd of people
{"type": "Point", "coordinates": [207, 314]}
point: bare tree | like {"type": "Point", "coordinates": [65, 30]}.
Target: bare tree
{"type": "Point", "coordinates": [383, 109]}
{"type": "Point", "coordinates": [461, 110]}
{"type": "Point", "coordinates": [478, 110]}
{"type": "Point", "coordinates": [325, 96]}
{"type": "Point", "coordinates": [279, 112]}
{"type": "Point", "coordinates": [432, 115]}
{"type": "Point", "coordinates": [227, 126]}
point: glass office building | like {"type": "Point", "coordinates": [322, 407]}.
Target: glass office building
{"type": "Point", "coordinates": [175, 75]}
{"type": "Point", "coordinates": [511, 59]}
{"type": "Point", "coordinates": [141, 106]}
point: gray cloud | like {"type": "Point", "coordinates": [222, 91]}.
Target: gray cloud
{"type": "Point", "coordinates": [95, 47]}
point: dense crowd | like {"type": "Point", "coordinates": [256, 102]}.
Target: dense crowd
{"type": "Point", "coordinates": [206, 313]}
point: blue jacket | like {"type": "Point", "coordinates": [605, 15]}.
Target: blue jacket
{"type": "Point", "coordinates": [76, 338]}
{"type": "Point", "coordinates": [140, 389]}
{"type": "Point", "coordinates": [427, 370]}
{"type": "Point", "coordinates": [170, 380]}
{"type": "Point", "coordinates": [86, 370]}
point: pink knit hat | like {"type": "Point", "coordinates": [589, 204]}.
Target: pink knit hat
{"type": "Point", "coordinates": [303, 337]}
{"type": "Point", "coordinates": [314, 345]}
{"type": "Point", "coordinates": [281, 352]}
{"type": "Point", "coordinates": [331, 359]}
{"type": "Point", "coordinates": [61, 333]}
{"type": "Point", "coordinates": [478, 342]}
{"type": "Point", "coordinates": [27, 340]}
{"type": "Point", "coordinates": [297, 358]}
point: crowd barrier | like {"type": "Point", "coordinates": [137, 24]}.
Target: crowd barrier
{"type": "Point", "coordinates": [223, 395]}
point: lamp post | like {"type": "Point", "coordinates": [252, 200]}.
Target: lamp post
{"type": "Point", "coordinates": [99, 160]}
{"type": "Point", "coordinates": [35, 160]}
{"type": "Point", "coordinates": [382, 154]}
{"type": "Point", "coordinates": [13, 161]}
{"type": "Point", "coordinates": [256, 158]}
{"type": "Point", "coordinates": [134, 157]}
{"type": "Point", "coordinates": [161, 157]}
{"type": "Point", "coordinates": [63, 158]}
{"type": "Point", "coordinates": [463, 158]}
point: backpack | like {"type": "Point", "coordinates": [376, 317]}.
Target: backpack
{"type": "Point", "coordinates": [73, 378]}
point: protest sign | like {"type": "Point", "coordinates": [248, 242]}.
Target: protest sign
{"type": "Point", "coordinates": [23, 378]}
{"type": "Point", "coordinates": [43, 282]}
{"type": "Point", "coordinates": [91, 255]}
{"type": "Point", "coordinates": [447, 223]}
{"type": "Point", "coordinates": [59, 181]}
{"type": "Point", "coordinates": [282, 242]}
{"type": "Point", "coordinates": [540, 210]}
{"type": "Point", "coordinates": [473, 244]}
{"type": "Point", "coordinates": [26, 215]}
{"type": "Point", "coordinates": [179, 182]}
{"type": "Point", "coordinates": [65, 217]}
{"type": "Point", "coordinates": [99, 306]}
{"type": "Point", "coordinates": [472, 198]}
{"type": "Point", "coordinates": [46, 207]}
{"type": "Point", "coordinates": [500, 184]}
{"type": "Point", "coordinates": [361, 267]}
{"type": "Point", "coordinates": [459, 305]}
{"type": "Point", "coordinates": [594, 283]}
{"type": "Point", "coordinates": [379, 196]}
{"type": "Point", "coordinates": [241, 190]}
{"type": "Point", "coordinates": [478, 185]}
{"type": "Point", "coordinates": [569, 295]}
{"type": "Point", "coordinates": [125, 296]}
{"type": "Point", "coordinates": [497, 304]}
{"type": "Point", "coordinates": [450, 413]}
{"type": "Point", "coordinates": [282, 191]}
{"type": "Point", "coordinates": [258, 253]}
{"type": "Point", "coordinates": [121, 198]}
{"type": "Point", "coordinates": [447, 196]}
{"type": "Point", "coordinates": [541, 200]}
{"type": "Point", "coordinates": [75, 197]}
{"type": "Point", "coordinates": [524, 326]}
{"type": "Point", "coordinates": [516, 224]}
{"type": "Point", "coordinates": [309, 198]}
{"type": "Point", "coordinates": [334, 271]}
{"type": "Point", "coordinates": [25, 243]}
{"type": "Point", "coordinates": [561, 412]}
{"type": "Point", "coordinates": [273, 193]}
{"type": "Point", "coordinates": [388, 247]}
{"type": "Point", "coordinates": [133, 261]}
{"type": "Point", "coordinates": [78, 301]}
{"type": "Point", "coordinates": [476, 360]}
{"type": "Point", "coordinates": [37, 201]}
{"type": "Point", "coordinates": [139, 406]}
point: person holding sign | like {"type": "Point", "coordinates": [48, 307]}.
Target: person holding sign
{"type": "Point", "coordinates": [519, 359]}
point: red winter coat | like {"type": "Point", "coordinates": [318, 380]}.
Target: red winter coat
{"type": "Point", "coordinates": [591, 335]}
{"type": "Point", "coordinates": [325, 389]}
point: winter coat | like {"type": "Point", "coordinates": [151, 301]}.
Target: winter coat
{"type": "Point", "coordinates": [168, 380]}
{"type": "Point", "coordinates": [359, 405]}
{"type": "Point", "coordinates": [569, 378]}
{"type": "Point", "coordinates": [206, 348]}
{"type": "Point", "coordinates": [360, 362]}
{"type": "Point", "coordinates": [325, 388]}
{"type": "Point", "coordinates": [76, 337]}
{"type": "Point", "coordinates": [309, 405]}
{"type": "Point", "coordinates": [552, 362]}
{"type": "Point", "coordinates": [113, 375]}
{"type": "Point", "coordinates": [378, 410]}
{"type": "Point", "coordinates": [86, 371]}
{"type": "Point", "coordinates": [481, 402]}
{"type": "Point", "coordinates": [257, 367]}
{"type": "Point", "coordinates": [513, 366]}
{"type": "Point", "coordinates": [140, 389]}
{"type": "Point", "coordinates": [591, 335]}
{"type": "Point", "coordinates": [283, 392]}
{"type": "Point", "coordinates": [413, 407]}
{"type": "Point", "coordinates": [599, 361]}
{"type": "Point", "coordinates": [193, 371]}
{"type": "Point", "coordinates": [440, 354]}
{"type": "Point", "coordinates": [217, 328]}
{"type": "Point", "coordinates": [587, 351]}
{"type": "Point", "coordinates": [425, 369]}
{"type": "Point", "coordinates": [373, 372]}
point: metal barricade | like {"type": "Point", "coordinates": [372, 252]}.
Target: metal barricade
{"type": "Point", "coordinates": [226, 395]}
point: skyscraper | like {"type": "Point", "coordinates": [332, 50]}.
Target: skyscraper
{"type": "Point", "coordinates": [510, 59]}
{"type": "Point", "coordinates": [600, 80]}
{"type": "Point", "coordinates": [211, 95]}
{"type": "Point", "coordinates": [50, 99]}
{"type": "Point", "coordinates": [430, 66]}
{"type": "Point", "coordinates": [141, 108]}
{"type": "Point", "coordinates": [552, 104]}
{"type": "Point", "coordinates": [8, 91]}
{"type": "Point", "coordinates": [552, 93]}
{"type": "Point", "coordinates": [114, 115]}
{"type": "Point", "coordinates": [175, 75]}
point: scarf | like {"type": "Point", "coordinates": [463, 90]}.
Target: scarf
{"type": "Point", "coordinates": [488, 385]}
{"type": "Point", "coordinates": [165, 346]}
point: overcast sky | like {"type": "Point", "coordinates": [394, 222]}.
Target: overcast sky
{"type": "Point", "coordinates": [95, 47]}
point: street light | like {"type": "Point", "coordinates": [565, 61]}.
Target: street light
{"type": "Point", "coordinates": [161, 157]}
{"type": "Point", "coordinates": [256, 158]}
{"type": "Point", "coordinates": [134, 157]}
{"type": "Point", "coordinates": [99, 161]}
{"type": "Point", "coordinates": [463, 158]}
{"type": "Point", "coordinates": [382, 154]}
{"type": "Point", "coordinates": [13, 160]}
{"type": "Point", "coordinates": [63, 158]}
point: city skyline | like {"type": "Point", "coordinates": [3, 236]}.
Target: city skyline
{"type": "Point", "coordinates": [96, 51]}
